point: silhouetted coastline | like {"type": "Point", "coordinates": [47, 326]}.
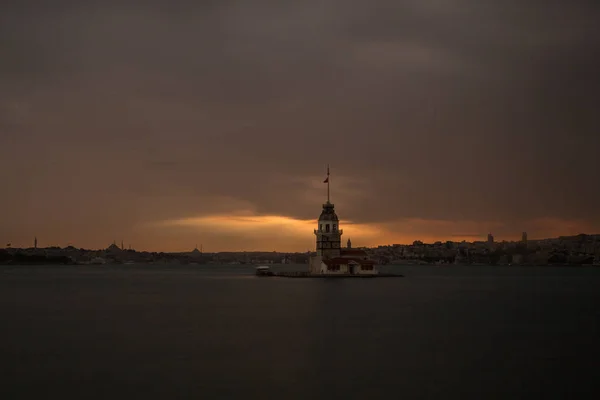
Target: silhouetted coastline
{"type": "Point", "coordinates": [20, 258]}
{"type": "Point", "coordinates": [581, 249]}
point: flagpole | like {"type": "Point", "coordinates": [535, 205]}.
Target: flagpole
{"type": "Point", "coordinates": [327, 183]}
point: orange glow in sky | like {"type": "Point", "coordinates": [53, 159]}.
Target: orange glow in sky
{"type": "Point", "coordinates": [267, 232]}
{"type": "Point", "coordinates": [246, 231]}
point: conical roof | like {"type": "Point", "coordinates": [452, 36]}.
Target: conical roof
{"type": "Point", "coordinates": [328, 213]}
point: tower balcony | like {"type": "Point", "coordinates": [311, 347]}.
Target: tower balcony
{"type": "Point", "coordinates": [338, 231]}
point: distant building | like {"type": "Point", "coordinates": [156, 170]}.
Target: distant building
{"type": "Point", "coordinates": [461, 257]}
{"type": "Point", "coordinates": [196, 253]}
{"type": "Point", "coordinates": [113, 249]}
{"type": "Point", "coordinates": [330, 257]}
{"type": "Point", "coordinates": [524, 237]}
{"type": "Point", "coordinates": [490, 239]}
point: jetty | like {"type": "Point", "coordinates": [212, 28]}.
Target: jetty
{"type": "Point", "coordinates": [266, 271]}
{"type": "Point", "coordinates": [302, 274]}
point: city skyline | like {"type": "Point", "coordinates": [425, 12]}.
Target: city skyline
{"type": "Point", "coordinates": [124, 245]}
{"type": "Point", "coordinates": [167, 125]}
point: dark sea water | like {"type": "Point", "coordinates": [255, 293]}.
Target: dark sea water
{"type": "Point", "coordinates": [206, 332]}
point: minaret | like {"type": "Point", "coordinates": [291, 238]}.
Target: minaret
{"type": "Point", "coordinates": [35, 242]}
{"type": "Point", "coordinates": [349, 244]}
{"type": "Point", "coordinates": [329, 236]}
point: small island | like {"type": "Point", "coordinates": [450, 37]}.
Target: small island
{"type": "Point", "coordinates": [331, 260]}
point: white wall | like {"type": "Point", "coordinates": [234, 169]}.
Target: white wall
{"type": "Point", "coordinates": [315, 264]}
{"type": "Point", "coordinates": [343, 270]}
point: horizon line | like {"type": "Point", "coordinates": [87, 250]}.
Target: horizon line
{"type": "Point", "coordinates": [9, 246]}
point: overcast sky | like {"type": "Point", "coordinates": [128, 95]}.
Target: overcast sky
{"type": "Point", "coordinates": [153, 121]}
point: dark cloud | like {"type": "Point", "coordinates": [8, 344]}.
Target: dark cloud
{"type": "Point", "coordinates": [426, 109]}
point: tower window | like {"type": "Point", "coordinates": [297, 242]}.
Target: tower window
{"type": "Point", "coordinates": [321, 227]}
{"type": "Point", "coordinates": [326, 227]}
{"type": "Point", "coordinates": [334, 227]}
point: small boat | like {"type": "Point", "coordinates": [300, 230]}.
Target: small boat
{"type": "Point", "coordinates": [264, 271]}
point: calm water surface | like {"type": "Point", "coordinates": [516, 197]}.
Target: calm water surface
{"type": "Point", "coordinates": [157, 332]}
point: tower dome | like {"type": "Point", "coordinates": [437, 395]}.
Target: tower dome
{"type": "Point", "coordinates": [328, 213]}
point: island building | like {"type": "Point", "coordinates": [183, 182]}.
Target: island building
{"type": "Point", "coordinates": [331, 258]}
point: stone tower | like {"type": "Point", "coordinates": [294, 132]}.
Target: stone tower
{"type": "Point", "coordinates": [329, 234]}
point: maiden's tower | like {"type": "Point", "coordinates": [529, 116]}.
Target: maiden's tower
{"type": "Point", "coordinates": [331, 258]}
